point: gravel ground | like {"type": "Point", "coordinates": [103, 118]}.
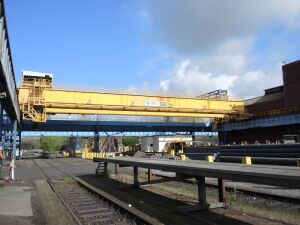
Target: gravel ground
{"type": "Point", "coordinates": [159, 200]}
{"type": "Point", "coordinates": [54, 210]}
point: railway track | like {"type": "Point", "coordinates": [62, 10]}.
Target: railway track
{"type": "Point", "coordinates": [89, 205]}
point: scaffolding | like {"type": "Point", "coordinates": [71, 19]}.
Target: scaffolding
{"type": "Point", "coordinates": [36, 83]}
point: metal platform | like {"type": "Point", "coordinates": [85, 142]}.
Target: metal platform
{"type": "Point", "coordinates": [287, 177]}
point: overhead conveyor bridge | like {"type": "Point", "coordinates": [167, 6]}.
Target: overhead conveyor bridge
{"type": "Point", "coordinates": [38, 99]}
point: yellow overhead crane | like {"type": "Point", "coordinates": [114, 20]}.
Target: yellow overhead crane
{"type": "Point", "coordinates": [38, 98]}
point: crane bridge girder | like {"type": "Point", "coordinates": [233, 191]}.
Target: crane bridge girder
{"type": "Point", "coordinates": [38, 98]}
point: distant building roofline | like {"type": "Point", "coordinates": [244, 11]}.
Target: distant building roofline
{"type": "Point", "coordinates": [289, 64]}
{"type": "Point", "coordinates": [274, 90]}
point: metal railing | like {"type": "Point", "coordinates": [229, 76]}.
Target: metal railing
{"type": "Point", "coordinates": [277, 112]}
{"type": "Point", "coordinates": [134, 91]}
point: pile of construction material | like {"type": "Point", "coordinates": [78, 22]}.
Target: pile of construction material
{"type": "Point", "coordinates": [272, 154]}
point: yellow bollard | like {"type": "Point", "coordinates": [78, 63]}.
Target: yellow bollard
{"type": "Point", "coordinates": [209, 158]}
{"type": "Point", "coordinates": [298, 162]}
{"type": "Point", "coordinates": [247, 160]}
{"type": "Point", "coordinates": [182, 157]}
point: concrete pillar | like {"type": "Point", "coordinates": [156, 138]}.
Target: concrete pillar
{"type": "Point", "coordinates": [222, 191]}
{"type": "Point", "coordinates": [201, 191]}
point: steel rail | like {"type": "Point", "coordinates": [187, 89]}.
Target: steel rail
{"type": "Point", "coordinates": [56, 192]}
{"type": "Point", "coordinates": [135, 213]}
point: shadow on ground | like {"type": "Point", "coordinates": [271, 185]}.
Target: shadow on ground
{"type": "Point", "coordinates": [160, 207]}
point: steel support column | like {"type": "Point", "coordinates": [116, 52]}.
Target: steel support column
{"type": "Point", "coordinates": [135, 176]}
{"type": "Point", "coordinates": [96, 141]}
{"type": "Point", "coordinates": [20, 143]}
{"type": "Point", "coordinates": [14, 135]}
{"type": "Point", "coordinates": [1, 120]}
{"type": "Point", "coordinates": [201, 191]}
{"type": "Point", "coordinates": [117, 169]}
{"type": "Point", "coordinates": [193, 138]}
{"type": "Point", "coordinates": [149, 175]}
{"type": "Point", "coordinates": [222, 191]}
{"type": "Point", "coordinates": [105, 172]}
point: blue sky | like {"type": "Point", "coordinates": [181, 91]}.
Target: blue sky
{"type": "Point", "coordinates": [88, 44]}
{"type": "Point", "coordinates": [171, 46]}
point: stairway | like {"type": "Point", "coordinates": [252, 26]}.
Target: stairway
{"type": "Point", "coordinates": [101, 169]}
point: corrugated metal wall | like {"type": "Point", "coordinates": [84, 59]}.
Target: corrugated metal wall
{"type": "Point", "coordinates": [277, 98]}
{"type": "Point", "coordinates": [271, 134]}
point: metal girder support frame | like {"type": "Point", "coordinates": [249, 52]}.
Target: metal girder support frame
{"type": "Point", "coordinates": [202, 194]}
{"type": "Point", "coordinates": [149, 178]}
{"type": "Point", "coordinates": [202, 202]}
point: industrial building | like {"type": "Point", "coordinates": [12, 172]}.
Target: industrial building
{"type": "Point", "coordinates": [159, 143]}
{"type": "Point", "coordinates": [77, 145]}
{"type": "Point", "coordinates": [274, 117]}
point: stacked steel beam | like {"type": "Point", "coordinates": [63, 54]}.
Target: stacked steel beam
{"type": "Point", "coordinates": [279, 154]}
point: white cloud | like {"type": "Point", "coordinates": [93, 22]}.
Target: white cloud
{"type": "Point", "coordinates": [215, 41]}
{"type": "Point", "coordinates": [195, 26]}
{"type": "Point", "coordinates": [190, 78]}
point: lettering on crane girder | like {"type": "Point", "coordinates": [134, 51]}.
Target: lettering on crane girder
{"type": "Point", "coordinates": [155, 103]}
